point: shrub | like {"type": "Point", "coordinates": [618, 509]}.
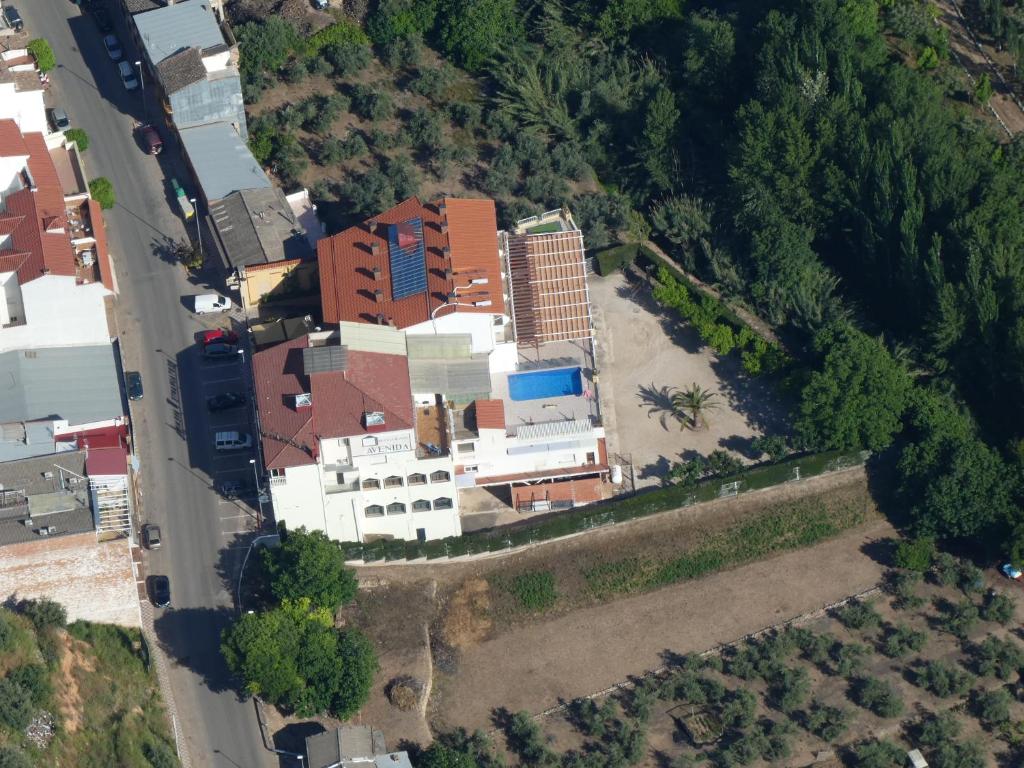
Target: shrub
{"type": "Point", "coordinates": [397, 19]}
{"type": "Point", "coordinates": [102, 191]}
{"type": "Point", "coordinates": [878, 754]}
{"type": "Point", "coordinates": [943, 679]}
{"type": "Point", "coordinates": [466, 114]}
{"type": "Point", "coordinates": [945, 569]}
{"type": "Point", "coordinates": [159, 755]}
{"type": "Point", "coordinates": [534, 590]}
{"type": "Point", "coordinates": [970, 579]}
{"type": "Point", "coordinates": [739, 709]}
{"type": "Point", "coordinates": [998, 608]}
{"type": "Point", "coordinates": [326, 111]}
{"type": "Point", "coordinates": [339, 33]}
{"type": "Point", "coordinates": [789, 689]}
{"type": "Point", "coordinates": [425, 129]}
{"type": "Point", "coordinates": [903, 586]}
{"type": "Point", "coordinates": [902, 641]}
{"type": "Point", "coordinates": [12, 757]}
{"type": "Point", "coordinates": [939, 729]}
{"type": "Point", "coordinates": [15, 705]}
{"type": "Point", "coordinates": [959, 619]}
{"type": "Point", "coordinates": [404, 693]}
{"type": "Point", "coordinates": [371, 104]}
{"type": "Point", "coordinates": [859, 615]}
{"type": "Point", "coordinates": [993, 707]}
{"type": "Point", "coordinates": [404, 52]}
{"type": "Point", "coordinates": [318, 65]}
{"type": "Point", "coordinates": [617, 257]}
{"type": "Point", "coordinates": [330, 151]}
{"type": "Point", "coordinates": [295, 71]}
{"type": "Point", "coordinates": [79, 136]}
{"type": "Point", "coordinates": [348, 58]}
{"type": "Point", "coordinates": [994, 657]}
{"type": "Point", "coordinates": [849, 658]}
{"type": "Point", "coordinates": [42, 53]}
{"type": "Point", "coordinates": [877, 696]}
{"type": "Point", "coordinates": [381, 140]}
{"type": "Point", "coordinates": [432, 82]}
{"type": "Point", "coordinates": [34, 680]}
{"type": "Point", "coordinates": [825, 722]}
{"type": "Point", "coordinates": [967, 754]}
{"type": "Point", "coordinates": [814, 647]}
{"type": "Point", "coordinates": [527, 740]}
{"type": "Point", "coordinates": [916, 554]}
{"type": "Point", "coordinates": [43, 613]}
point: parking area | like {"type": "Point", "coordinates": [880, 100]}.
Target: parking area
{"type": "Point", "coordinates": [645, 356]}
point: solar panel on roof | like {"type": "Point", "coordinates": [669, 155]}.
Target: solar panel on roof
{"type": "Point", "coordinates": [408, 258]}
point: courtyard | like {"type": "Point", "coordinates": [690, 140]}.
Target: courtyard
{"type": "Point", "coordinates": [645, 355]}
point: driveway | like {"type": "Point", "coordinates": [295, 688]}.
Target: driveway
{"type": "Point", "coordinates": [204, 536]}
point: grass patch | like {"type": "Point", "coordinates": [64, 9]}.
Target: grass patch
{"type": "Point", "coordinates": [541, 229]}
{"type": "Point", "coordinates": [783, 527]}
{"type": "Point", "coordinates": [533, 590]}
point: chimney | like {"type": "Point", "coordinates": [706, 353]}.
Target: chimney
{"type": "Point", "coordinates": [378, 295]}
{"type": "Point", "coordinates": [442, 208]}
{"type": "Point", "coordinates": [381, 320]}
{"type": "Point", "coordinates": [448, 274]}
{"type": "Point", "coordinates": [375, 249]}
{"type": "Point", "coordinates": [372, 225]}
{"type": "Point", "coordinates": [444, 226]}
{"type": "Point", "coordinates": [377, 273]}
{"type": "Point", "coordinates": [446, 252]}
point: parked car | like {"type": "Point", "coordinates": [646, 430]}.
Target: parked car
{"type": "Point", "coordinates": [233, 489]}
{"type": "Point", "coordinates": [320, 5]}
{"type": "Point", "coordinates": [151, 139]}
{"type": "Point", "coordinates": [219, 351]}
{"type": "Point", "coordinates": [1010, 571]}
{"type": "Point", "coordinates": [133, 385]}
{"type": "Point", "coordinates": [151, 536]}
{"type": "Point", "coordinates": [221, 335]}
{"type": "Point", "coordinates": [102, 19]}
{"type": "Point", "coordinates": [128, 78]}
{"type": "Point", "coordinates": [225, 401]}
{"type": "Point", "coordinates": [113, 46]}
{"type": "Point", "coordinates": [208, 303]}
{"type": "Point", "coordinates": [232, 441]}
{"type": "Point", "coordinates": [13, 18]}
{"type": "Point", "coordinates": [160, 591]}
{"type": "Point", "coordinates": [58, 119]}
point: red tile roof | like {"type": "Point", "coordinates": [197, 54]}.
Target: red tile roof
{"type": "Point", "coordinates": [11, 143]}
{"type": "Point", "coordinates": [490, 414]}
{"type": "Point", "coordinates": [36, 220]}
{"type": "Point", "coordinates": [370, 382]}
{"type": "Point", "coordinates": [106, 461]}
{"type": "Point", "coordinates": [99, 231]}
{"type": "Point", "coordinates": [468, 228]}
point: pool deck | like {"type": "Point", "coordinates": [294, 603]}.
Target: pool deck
{"type": "Point", "coordinates": [564, 354]}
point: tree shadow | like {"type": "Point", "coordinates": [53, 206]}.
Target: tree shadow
{"type": "Point", "coordinates": [191, 638]}
{"type": "Point", "coordinates": [757, 398]}
{"type": "Point", "coordinates": [882, 551]}
{"type": "Point", "coordinates": [255, 590]}
{"type": "Point", "coordinates": [658, 402]}
{"type": "Point", "coordinates": [741, 445]}
{"type": "Point", "coordinates": [658, 469]}
{"type": "Point", "coordinates": [292, 738]}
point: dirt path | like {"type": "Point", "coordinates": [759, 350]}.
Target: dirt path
{"type": "Point", "coordinates": [534, 667]}
{"type": "Point", "coordinates": [977, 59]}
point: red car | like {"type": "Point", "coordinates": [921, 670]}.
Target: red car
{"type": "Point", "coordinates": [151, 139]}
{"type": "Point", "coordinates": [217, 336]}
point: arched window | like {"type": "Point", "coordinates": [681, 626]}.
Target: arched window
{"type": "Point", "coordinates": [371, 484]}
{"type": "Point", "coordinates": [375, 510]}
{"type": "Point", "coordinates": [442, 502]}
{"type": "Point", "coordinates": [394, 481]}
{"type": "Point", "coordinates": [440, 476]}
{"type": "Point", "coordinates": [421, 505]}
{"type": "Point", "coordinates": [396, 508]}
{"type": "Point", "coordinates": [417, 478]}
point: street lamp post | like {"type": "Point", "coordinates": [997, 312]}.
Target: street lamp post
{"type": "Point", "coordinates": [142, 90]}
{"type": "Point", "coordinates": [199, 233]}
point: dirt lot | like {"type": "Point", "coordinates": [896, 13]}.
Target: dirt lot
{"type": "Point", "coordinates": [579, 646]}
{"type": "Point", "coordinates": [644, 355]}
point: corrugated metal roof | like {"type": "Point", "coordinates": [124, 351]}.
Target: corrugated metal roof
{"type": "Point", "coordinates": [165, 31]}
{"type": "Point", "coordinates": [553, 429]}
{"type": "Point", "coordinates": [222, 162]}
{"type": "Point", "coordinates": [23, 441]}
{"type": "Point", "coordinates": [79, 384]}
{"type": "Point", "coordinates": [216, 98]}
{"type": "Point", "coordinates": [363, 337]}
{"type": "Point", "coordinates": [455, 379]}
{"type": "Point", "coordinates": [449, 346]}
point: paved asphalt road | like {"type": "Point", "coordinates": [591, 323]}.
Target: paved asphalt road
{"type": "Point", "coordinates": [204, 536]}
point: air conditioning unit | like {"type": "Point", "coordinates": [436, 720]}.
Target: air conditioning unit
{"type": "Point", "coordinates": [28, 522]}
{"type": "Point", "coordinates": [44, 531]}
{"type": "Point", "coordinates": [50, 530]}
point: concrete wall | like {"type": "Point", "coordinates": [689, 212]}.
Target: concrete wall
{"type": "Point", "coordinates": [94, 581]}
{"type": "Point", "coordinates": [490, 454]}
{"type": "Point", "coordinates": [10, 167]}
{"type": "Point", "coordinates": [26, 108]}
{"type": "Point", "coordinates": [59, 313]}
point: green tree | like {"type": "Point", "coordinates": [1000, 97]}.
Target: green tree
{"type": "Point", "coordinates": [902, 641]}
{"type": "Point", "coordinates": [621, 17]}
{"type": "Point", "coordinates": [42, 53]}
{"type": "Point", "coordinates": [878, 754]}
{"type": "Point", "coordinates": [438, 755]}
{"type": "Point", "coordinates": [102, 191]}
{"type": "Point", "coordinates": [79, 136]}
{"type": "Point", "coordinates": [397, 19]}
{"type": "Point", "coordinates": [15, 705]}
{"type": "Point", "coordinates": [826, 722]}
{"type": "Point", "coordinates": [983, 89]}
{"type": "Point", "coordinates": [656, 149]}
{"type": "Point", "coordinates": [691, 405]}
{"type": "Point", "coordinates": [928, 58]}
{"type": "Point", "coordinates": [878, 696]}
{"type": "Point", "coordinates": [993, 707]}
{"type": "Point", "coordinates": [43, 612]}
{"type": "Point", "coordinates": [307, 564]}
{"type": "Point", "coordinates": [294, 657]}
{"type": "Point", "coordinates": [264, 47]}
{"type": "Point", "coordinates": [915, 554]}
{"type": "Point", "coordinates": [943, 679]}
{"type": "Point", "coordinates": [857, 396]}
{"type": "Point", "coordinates": [998, 608]}
{"type": "Point", "coordinates": [472, 31]}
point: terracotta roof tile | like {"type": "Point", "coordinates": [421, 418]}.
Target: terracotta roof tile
{"type": "Point", "coordinates": [370, 382]}
{"type": "Point", "coordinates": [355, 264]}
{"type": "Point", "coordinates": [490, 414]}
{"type": "Point", "coordinates": [11, 142]}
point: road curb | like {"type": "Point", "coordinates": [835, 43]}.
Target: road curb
{"type": "Point", "coordinates": [159, 659]}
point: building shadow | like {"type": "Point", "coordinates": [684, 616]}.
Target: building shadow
{"type": "Point", "coordinates": [191, 638]}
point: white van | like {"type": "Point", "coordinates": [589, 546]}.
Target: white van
{"type": "Point", "coordinates": [208, 303]}
{"type": "Point", "coordinates": [128, 78]}
{"type": "Point", "coordinates": [232, 441]}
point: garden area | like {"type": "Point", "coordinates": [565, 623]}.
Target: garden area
{"type": "Point", "coordinates": [81, 694]}
{"type": "Point", "coordinates": [931, 662]}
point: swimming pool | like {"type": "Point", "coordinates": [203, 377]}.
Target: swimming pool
{"type": "Point", "coordinates": [556, 382]}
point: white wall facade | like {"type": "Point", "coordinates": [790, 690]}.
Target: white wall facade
{"type": "Point", "coordinates": [26, 108]}
{"type": "Point", "coordinates": [563, 446]}
{"type": "Point", "coordinates": [10, 167]}
{"type": "Point", "coordinates": [217, 62]}
{"type": "Point", "coordinates": [480, 326]}
{"type": "Point", "coordinates": [353, 491]}
{"type": "Point", "coordinates": [56, 313]}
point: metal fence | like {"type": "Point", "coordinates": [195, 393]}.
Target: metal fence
{"type": "Point", "coordinates": [605, 513]}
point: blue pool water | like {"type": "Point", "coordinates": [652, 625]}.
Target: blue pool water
{"type": "Point", "coordinates": [535, 385]}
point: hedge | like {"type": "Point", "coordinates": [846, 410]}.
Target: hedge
{"type": "Point", "coordinates": [607, 512]}
{"type": "Point", "coordinates": [616, 257]}
{"type": "Point", "coordinates": [335, 34]}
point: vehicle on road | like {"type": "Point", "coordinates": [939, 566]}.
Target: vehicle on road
{"type": "Point", "coordinates": [58, 119]}
{"type": "Point", "coordinates": [128, 78]}
{"type": "Point", "coordinates": [232, 441]}
{"type": "Point", "coordinates": [113, 46]}
{"type": "Point", "coordinates": [133, 385]}
{"type": "Point", "coordinates": [217, 335]}
{"type": "Point", "coordinates": [13, 18]}
{"type": "Point", "coordinates": [151, 536]}
{"type": "Point", "coordinates": [219, 351]}
{"type": "Point", "coordinates": [233, 489]}
{"type": "Point", "coordinates": [225, 401]}
{"type": "Point", "coordinates": [151, 139]}
{"type": "Point", "coordinates": [209, 303]}
{"type": "Point", "coordinates": [160, 591]}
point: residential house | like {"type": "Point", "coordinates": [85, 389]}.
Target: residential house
{"type": "Point", "coordinates": [352, 746]}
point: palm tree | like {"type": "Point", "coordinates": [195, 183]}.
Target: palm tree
{"type": "Point", "coordinates": [694, 403]}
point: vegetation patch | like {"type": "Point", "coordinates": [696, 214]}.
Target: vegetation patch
{"type": "Point", "coordinates": [534, 591]}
